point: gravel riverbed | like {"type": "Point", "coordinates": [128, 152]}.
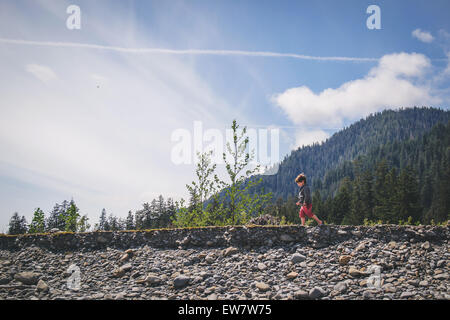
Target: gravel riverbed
{"type": "Point", "coordinates": [352, 269]}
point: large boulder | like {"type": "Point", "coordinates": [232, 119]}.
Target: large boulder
{"type": "Point", "coordinates": [27, 277]}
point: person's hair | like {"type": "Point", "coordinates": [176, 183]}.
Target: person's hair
{"type": "Point", "coordinates": [301, 177]}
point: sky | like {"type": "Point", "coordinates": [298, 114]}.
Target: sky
{"type": "Point", "coordinates": [98, 107]}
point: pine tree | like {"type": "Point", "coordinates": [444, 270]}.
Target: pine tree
{"type": "Point", "coordinates": [362, 195]}
{"type": "Point", "coordinates": [170, 212]}
{"type": "Point", "coordinates": [17, 224]}
{"type": "Point", "coordinates": [139, 220]}
{"type": "Point", "coordinates": [318, 205]}
{"type": "Point", "coordinates": [291, 210]}
{"type": "Point", "coordinates": [63, 218]}
{"type": "Point", "coordinates": [200, 190]}
{"type": "Point", "coordinates": [38, 223]}
{"type": "Point", "coordinates": [56, 218]}
{"type": "Point", "coordinates": [390, 206]}
{"type": "Point", "coordinates": [426, 190]}
{"type": "Point", "coordinates": [113, 223]}
{"type": "Point", "coordinates": [152, 215]}
{"type": "Point", "coordinates": [441, 203]}
{"type": "Point", "coordinates": [129, 222]}
{"type": "Point", "coordinates": [82, 224]}
{"type": "Point", "coordinates": [357, 206]}
{"type": "Point", "coordinates": [71, 217]}
{"type": "Point", "coordinates": [198, 213]}
{"type": "Point", "coordinates": [103, 222]}
{"type": "Point", "coordinates": [408, 204]}
{"type": "Point", "coordinates": [342, 202]}
{"type": "Point", "coordinates": [381, 193]}
{"type": "Point", "coordinates": [144, 216]}
{"type": "Point", "coordinates": [160, 211]}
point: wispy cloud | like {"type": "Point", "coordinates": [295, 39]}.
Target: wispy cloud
{"type": "Point", "coordinates": [43, 73]}
{"type": "Point", "coordinates": [184, 51]}
{"type": "Point", "coordinates": [423, 36]}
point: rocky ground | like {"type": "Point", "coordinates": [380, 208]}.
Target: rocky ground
{"type": "Point", "coordinates": [365, 268]}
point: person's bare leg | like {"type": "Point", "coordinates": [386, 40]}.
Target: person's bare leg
{"type": "Point", "coordinates": [317, 219]}
{"type": "Point", "coordinates": [303, 221]}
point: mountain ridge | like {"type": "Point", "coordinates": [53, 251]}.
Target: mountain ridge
{"type": "Point", "coordinates": [349, 143]}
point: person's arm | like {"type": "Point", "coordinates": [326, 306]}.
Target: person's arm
{"type": "Point", "coordinates": [308, 199]}
{"type": "Point", "coordinates": [300, 198]}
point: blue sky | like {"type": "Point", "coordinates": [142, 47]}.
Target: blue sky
{"type": "Point", "coordinates": [82, 118]}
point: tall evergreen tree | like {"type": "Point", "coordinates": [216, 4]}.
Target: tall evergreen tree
{"type": "Point", "coordinates": [129, 222]}
{"type": "Point", "coordinates": [381, 193]}
{"type": "Point", "coordinates": [170, 212]}
{"type": "Point", "coordinates": [319, 206]}
{"type": "Point", "coordinates": [389, 210]}
{"type": "Point", "coordinates": [71, 216]}
{"type": "Point", "coordinates": [83, 224]}
{"type": "Point", "coordinates": [408, 203]}
{"type": "Point", "coordinates": [56, 218]}
{"type": "Point", "coordinates": [139, 219]}
{"type": "Point", "coordinates": [342, 202]}
{"type": "Point", "coordinates": [113, 223]}
{"type": "Point", "coordinates": [103, 222]}
{"type": "Point", "coordinates": [17, 224]}
{"type": "Point", "coordinates": [37, 225]}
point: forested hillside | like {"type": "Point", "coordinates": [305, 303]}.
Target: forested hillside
{"type": "Point", "coordinates": [358, 139]}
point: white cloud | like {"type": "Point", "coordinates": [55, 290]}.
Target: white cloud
{"type": "Point", "coordinates": [423, 36]}
{"type": "Point", "coordinates": [397, 81]}
{"type": "Point", "coordinates": [305, 137]}
{"type": "Point", "coordinates": [43, 73]}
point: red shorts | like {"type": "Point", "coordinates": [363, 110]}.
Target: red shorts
{"type": "Point", "coordinates": [306, 210]}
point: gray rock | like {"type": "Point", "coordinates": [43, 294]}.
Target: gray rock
{"type": "Point", "coordinates": [212, 296]}
{"type": "Point", "coordinates": [388, 287]}
{"type": "Point", "coordinates": [262, 266]}
{"type": "Point", "coordinates": [6, 263]}
{"type": "Point", "coordinates": [407, 294]}
{"type": "Point", "coordinates": [341, 286]}
{"type": "Point", "coordinates": [316, 292]}
{"type": "Point", "coordinates": [122, 270]}
{"type": "Point", "coordinates": [210, 258]}
{"type": "Point", "coordinates": [153, 279]}
{"type": "Point", "coordinates": [5, 280]}
{"type": "Point", "coordinates": [440, 263]}
{"type": "Point", "coordinates": [368, 295]}
{"type": "Point", "coordinates": [413, 282]}
{"type": "Point", "coordinates": [97, 296]}
{"type": "Point", "coordinates": [120, 296]}
{"type": "Point", "coordinates": [426, 246]}
{"type": "Point", "coordinates": [423, 283]}
{"type": "Point", "coordinates": [181, 281]}
{"type": "Point", "coordinates": [27, 277]}
{"type": "Point", "coordinates": [301, 294]}
{"type": "Point", "coordinates": [355, 272]}
{"type": "Point", "coordinates": [262, 286]}
{"type": "Point", "coordinates": [42, 286]}
{"type": "Point", "coordinates": [230, 251]}
{"type": "Point", "coordinates": [441, 276]}
{"type": "Point", "coordinates": [297, 257]}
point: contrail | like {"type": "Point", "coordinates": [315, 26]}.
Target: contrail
{"type": "Point", "coordinates": [183, 51]}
